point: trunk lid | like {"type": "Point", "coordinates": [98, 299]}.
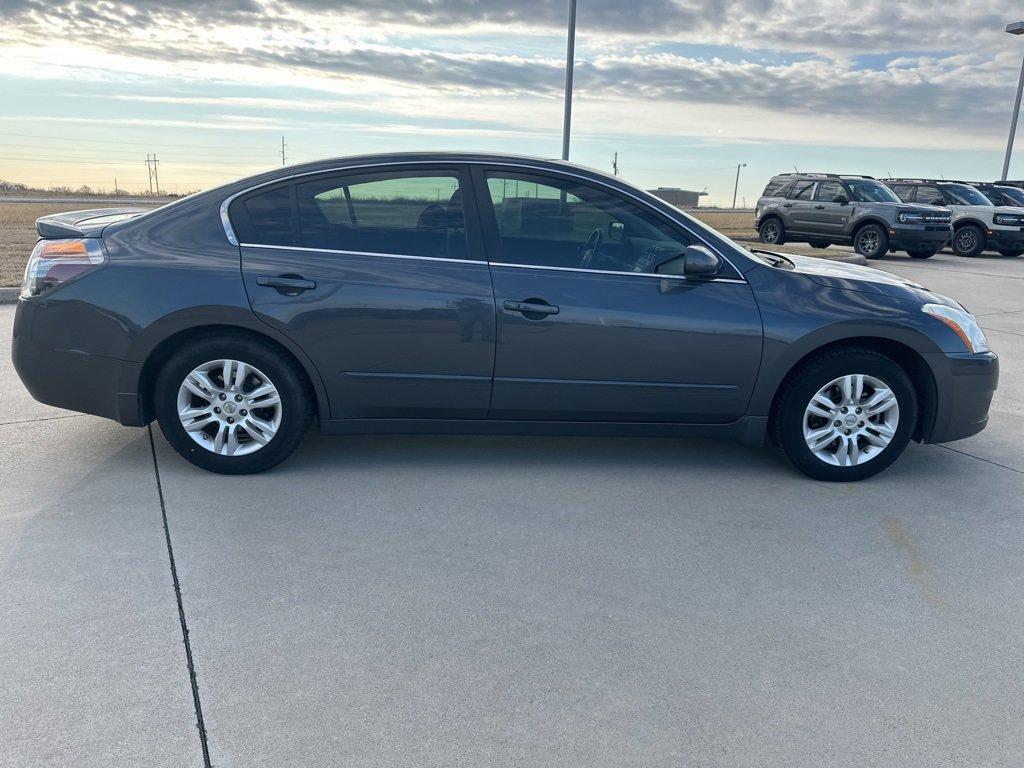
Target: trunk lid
{"type": "Point", "coordinates": [87, 223]}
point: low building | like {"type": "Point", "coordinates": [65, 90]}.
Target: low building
{"type": "Point", "coordinates": [680, 198]}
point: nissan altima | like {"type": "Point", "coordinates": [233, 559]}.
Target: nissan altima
{"type": "Point", "coordinates": [471, 293]}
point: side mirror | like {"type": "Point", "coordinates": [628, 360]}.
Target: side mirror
{"type": "Point", "coordinates": [695, 261]}
{"type": "Point", "coordinates": [841, 199]}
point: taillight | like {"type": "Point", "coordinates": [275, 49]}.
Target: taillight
{"type": "Point", "coordinates": [56, 261]}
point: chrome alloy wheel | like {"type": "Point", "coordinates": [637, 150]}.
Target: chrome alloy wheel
{"type": "Point", "coordinates": [770, 232]}
{"type": "Point", "coordinates": [229, 407]}
{"type": "Point", "coordinates": [851, 420]}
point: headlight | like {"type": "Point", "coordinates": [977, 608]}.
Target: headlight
{"type": "Point", "coordinates": [909, 217]}
{"type": "Point", "coordinates": [1007, 220]}
{"type": "Point", "coordinates": [963, 324]}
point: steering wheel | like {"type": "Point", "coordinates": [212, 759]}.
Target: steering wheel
{"type": "Point", "coordinates": [591, 247]}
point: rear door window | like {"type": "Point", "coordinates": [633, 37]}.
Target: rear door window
{"type": "Point", "coordinates": [929, 194]}
{"type": "Point", "coordinates": [903, 191]}
{"type": "Point", "coordinates": [398, 213]}
{"type": "Point", "coordinates": [802, 190]}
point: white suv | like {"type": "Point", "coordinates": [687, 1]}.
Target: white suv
{"type": "Point", "coordinates": [978, 225]}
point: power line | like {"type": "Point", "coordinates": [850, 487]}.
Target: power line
{"type": "Point", "coordinates": [114, 141]}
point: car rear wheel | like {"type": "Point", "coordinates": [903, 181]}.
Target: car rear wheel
{"type": "Point", "coordinates": [921, 254]}
{"type": "Point", "coordinates": [1011, 253]}
{"type": "Point", "coordinates": [819, 243]}
{"type": "Point", "coordinates": [846, 415]}
{"type": "Point", "coordinates": [772, 231]}
{"type": "Point", "coordinates": [871, 241]}
{"type": "Point", "coordinates": [232, 405]}
{"type": "Point", "coordinates": [969, 241]}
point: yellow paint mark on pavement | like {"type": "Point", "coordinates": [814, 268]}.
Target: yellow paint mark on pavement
{"type": "Point", "coordinates": [920, 573]}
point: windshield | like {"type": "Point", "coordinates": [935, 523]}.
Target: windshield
{"type": "Point", "coordinates": [964, 195]}
{"type": "Point", "coordinates": [868, 191]}
{"type": "Point", "coordinates": [1017, 195]}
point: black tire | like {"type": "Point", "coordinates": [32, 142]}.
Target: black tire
{"type": "Point", "coordinates": [1011, 253]}
{"type": "Point", "coordinates": [969, 241]}
{"type": "Point", "coordinates": [772, 231]}
{"type": "Point", "coordinates": [287, 376]}
{"type": "Point", "coordinates": [788, 417]}
{"type": "Point", "coordinates": [819, 243]}
{"type": "Point", "coordinates": [871, 241]}
{"type": "Point", "coordinates": [921, 254]}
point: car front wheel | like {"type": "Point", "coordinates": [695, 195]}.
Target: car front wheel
{"type": "Point", "coordinates": [969, 241]}
{"type": "Point", "coordinates": [846, 415]}
{"type": "Point", "coordinates": [232, 405]}
{"type": "Point", "coordinates": [871, 241]}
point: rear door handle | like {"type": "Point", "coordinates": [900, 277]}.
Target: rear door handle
{"type": "Point", "coordinates": [290, 285]}
{"type": "Point", "coordinates": [787, 205]}
{"type": "Point", "coordinates": [819, 207]}
{"type": "Point", "coordinates": [531, 307]}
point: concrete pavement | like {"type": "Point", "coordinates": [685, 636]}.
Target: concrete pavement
{"type": "Point", "coordinates": [450, 601]}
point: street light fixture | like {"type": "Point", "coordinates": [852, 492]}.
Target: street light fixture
{"type": "Point", "coordinates": [1014, 29]}
{"type": "Point", "coordinates": [737, 187]}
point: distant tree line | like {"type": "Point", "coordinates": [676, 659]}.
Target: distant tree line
{"type": "Point", "coordinates": [16, 189]}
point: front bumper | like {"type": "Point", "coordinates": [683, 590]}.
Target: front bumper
{"type": "Point", "coordinates": [920, 238]}
{"type": "Point", "coordinates": [965, 384]}
{"type": "Point", "coordinates": [75, 380]}
{"type": "Point", "coordinates": [1005, 239]}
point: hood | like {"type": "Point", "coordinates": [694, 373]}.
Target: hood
{"type": "Point", "coordinates": [916, 207]}
{"type": "Point", "coordinates": [852, 277]}
{"type": "Point", "coordinates": [1009, 209]}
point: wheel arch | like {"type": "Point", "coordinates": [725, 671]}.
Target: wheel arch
{"type": "Point", "coordinates": [961, 223]}
{"type": "Point", "coordinates": [901, 353]}
{"type": "Point", "coordinates": [177, 337]}
{"type": "Point", "coordinates": [870, 219]}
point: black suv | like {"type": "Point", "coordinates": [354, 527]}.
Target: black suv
{"type": "Point", "coordinates": [826, 208]}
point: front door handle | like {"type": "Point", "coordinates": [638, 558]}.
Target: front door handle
{"type": "Point", "coordinates": [289, 285]}
{"type": "Point", "coordinates": [787, 205]}
{"type": "Point", "coordinates": [531, 307]}
{"type": "Point", "coordinates": [819, 207]}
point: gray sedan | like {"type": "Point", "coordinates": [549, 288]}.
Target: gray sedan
{"type": "Point", "coordinates": [480, 293]}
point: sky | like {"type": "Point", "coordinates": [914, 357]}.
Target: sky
{"type": "Point", "coordinates": [682, 90]}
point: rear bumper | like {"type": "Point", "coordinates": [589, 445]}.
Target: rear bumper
{"type": "Point", "coordinates": [920, 238]}
{"type": "Point", "coordinates": [1006, 239]}
{"type": "Point", "coordinates": [74, 380]}
{"type": "Point", "coordinates": [965, 384]}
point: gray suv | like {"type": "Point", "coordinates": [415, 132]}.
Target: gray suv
{"type": "Point", "coordinates": [824, 209]}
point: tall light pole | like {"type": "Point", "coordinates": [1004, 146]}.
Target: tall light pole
{"type": "Point", "coordinates": [737, 187]}
{"type": "Point", "coordinates": [570, 52]}
{"type": "Point", "coordinates": [1014, 29]}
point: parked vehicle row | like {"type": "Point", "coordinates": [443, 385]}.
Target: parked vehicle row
{"type": "Point", "coordinates": [979, 222]}
{"type": "Point", "coordinates": [484, 293]}
{"type": "Point", "coordinates": [879, 216]}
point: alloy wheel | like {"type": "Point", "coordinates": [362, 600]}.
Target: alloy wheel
{"type": "Point", "coordinates": [966, 241]}
{"type": "Point", "coordinates": [868, 242]}
{"type": "Point", "coordinates": [851, 420]}
{"type": "Point", "coordinates": [770, 233]}
{"type": "Point", "coordinates": [229, 407]}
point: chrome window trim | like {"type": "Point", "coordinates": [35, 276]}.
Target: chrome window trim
{"type": "Point", "coordinates": [525, 167]}
{"type": "Point", "coordinates": [362, 253]}
{"type": "Point", "coordinates": [624, 274]}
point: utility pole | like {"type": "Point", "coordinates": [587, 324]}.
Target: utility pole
{"type": "Point", "coordinates": [736, 188]}
{"type": "Point", "coordinates": [154, 178]}
{"type": "Point", "coordinates": [115, 186]}
{"type": "Point", "coordinates": [615, 164]}
{"type": "Point", "coordinates": [1014, 29]}
{"type": "Point", "coordinates": [570, 52]}
{"type": "Point", "coordinates": [283, 145]}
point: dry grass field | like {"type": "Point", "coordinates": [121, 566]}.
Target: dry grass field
{"type": "Point", "coordinates": [18, 233]}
